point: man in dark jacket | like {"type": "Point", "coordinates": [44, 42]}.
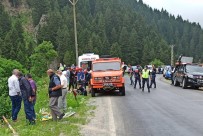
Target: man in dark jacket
{"type": "Point", "coordinates": [71, 80]}
{"type": "Point", "coordinates": [153, 78]}
{"type": "Point", "coordinates": [26, 92]}
{"type": "Point", "coordinates": [54, 92]}
{"type": "Point", "coordinates": [137, 74]}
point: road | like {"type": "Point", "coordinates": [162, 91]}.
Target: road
{"type": "Point", "coordinates": [166, 111]}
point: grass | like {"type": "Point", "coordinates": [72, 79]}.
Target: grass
{"type": "Point", "coordinates": [65, 127]}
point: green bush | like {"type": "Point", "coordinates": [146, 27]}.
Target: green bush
{"type": "Point", "coordinates": [6, 69]}
{"type": "Point", "coordinates": [157, 62]}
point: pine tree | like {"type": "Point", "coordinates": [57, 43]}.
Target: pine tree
{"type": "Point", "coordinates": [115, 50]}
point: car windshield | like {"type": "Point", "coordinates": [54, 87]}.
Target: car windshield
{"type": "Point", "coordinates": [168, 68]}
{"type": "Point", "coordinates": [194, 69]}
{"type": "Point", "coordinates": [105, 66]}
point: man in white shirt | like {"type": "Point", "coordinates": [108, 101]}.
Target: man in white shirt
{"type": "Point", "coordinates": [62, 102]}
{"type": "Point", "coordinates": [15, 94]}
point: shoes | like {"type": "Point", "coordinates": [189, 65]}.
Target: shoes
{"type": "Point", "coordinates": [148, 91]}
{"type": "Point", "coordinates": [155, 87]}
{"type": "Point", "coordinates": [32, 122]}
{"type": "Point", "coordinates": [61, 116]}
{"type": "Point", "coordinates": [143, 89]}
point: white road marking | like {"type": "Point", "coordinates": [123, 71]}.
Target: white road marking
{"type": "Point", "coordinates": [112, 127]}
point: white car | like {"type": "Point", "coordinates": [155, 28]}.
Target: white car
{"type": "Point", "coordinates": [150, 67]}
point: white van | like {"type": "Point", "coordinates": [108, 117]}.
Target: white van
{"type": "Point", "coordinates": [85, 60]}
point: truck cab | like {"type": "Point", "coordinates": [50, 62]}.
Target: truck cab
{"type": "Point", "coordinates": [107, 76]}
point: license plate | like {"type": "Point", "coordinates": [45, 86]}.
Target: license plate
{"type": "Point", "coordinates": [108, 84]}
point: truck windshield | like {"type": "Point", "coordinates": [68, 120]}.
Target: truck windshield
{"type": "Point", "coordinates": [194, 69]}
{"type": "Point", "coordinates": [105, 66]}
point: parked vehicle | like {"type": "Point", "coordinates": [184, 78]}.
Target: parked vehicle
{"type": "Point", "coordinates": [150, 67]}
{"type": "Point", "coordinates": [188, 74]}
{"type": "Point", "coordinates": [107, 76]}
{"type": "Point", "coordinates": [85, 60]}
{"type": "Point", "coordinates": [167, 72]}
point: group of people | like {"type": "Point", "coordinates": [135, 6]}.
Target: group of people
{"type": "Point", "coordinates": [142, 75]}
{"type": "Point", "coordinates": [22, 88]}
{"type": "Point", "coordinates": [78, 78]}
{"type": "Point", "coordinates": [66, 79]}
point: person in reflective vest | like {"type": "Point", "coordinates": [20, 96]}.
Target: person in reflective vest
{"type": "Point", "coordinates": [145, 78]}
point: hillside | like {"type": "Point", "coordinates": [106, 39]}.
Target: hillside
{"type": "Point", "coordinates": [130, 30]}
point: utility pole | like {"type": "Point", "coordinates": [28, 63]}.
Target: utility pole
{"type": "Point", "coordinates": [172, 59]}
{"type": "Point", "coordinates": [74, 2]}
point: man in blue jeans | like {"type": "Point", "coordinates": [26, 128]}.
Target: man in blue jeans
{"type": "Point", "coordinates": [26, 91]}
{"type": "Point", "coordinates": [15, 94]}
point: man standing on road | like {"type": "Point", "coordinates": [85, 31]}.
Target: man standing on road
{"type": "Point", "coordinates": [172, 74]}
{"type": "Point", "coordinates": [153, 77]}
{"type": "Point", "coordinates": [54, 93]}
{"type": "Point", "coordinates": [15, 94]}
{"type": "Point", "coordinates": [130, 73]}
{"type": "Point", "coordinates": [62, 103]}
{"type": "Point", "coordinates": [145, 78]}
{"type": "Point", "coordinates": [137, 78]}
{"type": "Point", "coordinates": [26, 91]}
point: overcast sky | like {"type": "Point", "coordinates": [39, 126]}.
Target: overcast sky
{"type": "Point", "coordinates": [191, 10]}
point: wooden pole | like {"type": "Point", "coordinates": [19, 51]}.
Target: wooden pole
{"type": "Point", "coordinates": [74, 2]}
{"type": "Point", "coordinates": [11, 128]}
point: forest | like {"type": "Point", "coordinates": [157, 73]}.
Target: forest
{"type": "Point", "coordinates": [33, 33]}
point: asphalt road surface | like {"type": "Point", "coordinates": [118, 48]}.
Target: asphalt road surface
{"type": "Point", "coordinates": [166, 111]}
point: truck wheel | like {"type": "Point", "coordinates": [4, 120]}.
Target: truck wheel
{"type": "Point", "coordinates": [93, 92]}
{"type": "Point", "coordinates": [122, 90]}
{"type": "Point", "coordinates": [175, 82]}
{"type": "Point", "coordinates": [184, 84]}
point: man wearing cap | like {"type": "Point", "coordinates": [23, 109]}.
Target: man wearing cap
{"type": "Point", "coordinates": [145, 78]}
{"type": "Point", "coordinates": [62, 103]}
{"type": "Point", "coordinates": [55, 92]}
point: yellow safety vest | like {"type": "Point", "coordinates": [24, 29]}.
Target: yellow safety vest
{"type": "Point", "coordinates": [145, 74]}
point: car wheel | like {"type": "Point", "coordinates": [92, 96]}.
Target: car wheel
{"type": "Point", "coordinates": [184, 84]}
{"type": "Point", "coordinates": [122, 90]}
{"type": "Point", "coordinates": [175, 82]}
{"type": "Point", "coordinates": [93, 92]}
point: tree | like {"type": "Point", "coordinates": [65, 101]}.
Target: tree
{"type": "Point", "coordinates": [42, 57]}
{"type": "Point", "coordinates": [157, 63]}
{"type": "Point", "coordinates": [115, 50]}
{"type": "Point", "coordinates": [6, 68]}
{"type": "Point", "coordinates": [69, 58]}
{"type": "Point", "coordinates": [62, 42]}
